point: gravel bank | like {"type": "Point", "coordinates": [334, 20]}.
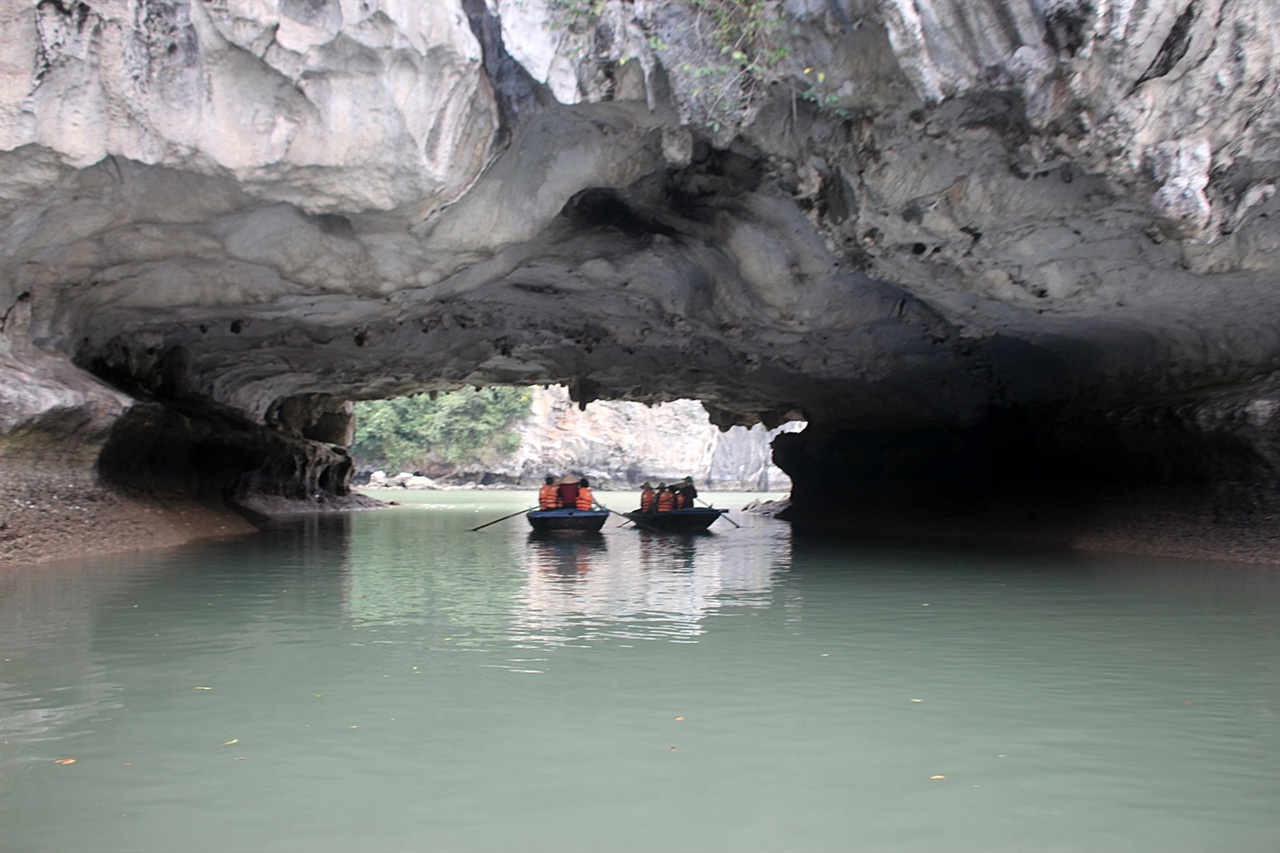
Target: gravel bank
{"type": "Point", "coordinates": [47, 517]}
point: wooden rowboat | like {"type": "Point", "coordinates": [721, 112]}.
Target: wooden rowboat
{"type": "Point", "coordinates": [567, 520]}
{"type": "Point", "coordinates": [690, 520]}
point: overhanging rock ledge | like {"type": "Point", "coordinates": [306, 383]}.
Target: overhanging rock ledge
{"type": "Point", "coordinates": [987, 248]}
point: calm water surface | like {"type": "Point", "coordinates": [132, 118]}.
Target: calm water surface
{"type": "Point", "coordinates": [390, 681]}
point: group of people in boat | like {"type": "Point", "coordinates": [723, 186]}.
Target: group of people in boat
{"type": "Point", "coordinates": [570, 492]}
{"type": "Point", "coordinates": [666, 498]}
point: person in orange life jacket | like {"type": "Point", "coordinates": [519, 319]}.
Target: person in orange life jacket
{"type": "Point", "coordinates": [687, 493]}
{"type": "Point", "coordinates": [569, 491]}
{"type": "Point", "coordinates": [549, 495]}
{"type": "Point", "coordinates": [665, 499]}
{"type": "Point", "coordinates": [585, 498]}
{"type": "Point", "coordinates": [646, 498]}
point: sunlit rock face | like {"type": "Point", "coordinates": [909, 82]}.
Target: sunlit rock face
{"type": "Point", "coordinates": [620, 445]}
{"type": "Point", "coordinates": [1050, 219]}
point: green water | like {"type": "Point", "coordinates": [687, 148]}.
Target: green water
{"type": "Point", "coordinates": [390, 681]}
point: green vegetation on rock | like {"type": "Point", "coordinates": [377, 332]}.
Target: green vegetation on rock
{"type": "Point", "coordinates": [724, 57]}
{"type": "Point", "coordinates": [445, 431]}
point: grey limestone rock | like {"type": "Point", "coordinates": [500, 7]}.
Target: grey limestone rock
{"type": "Point", "coordinates": [889, 216]}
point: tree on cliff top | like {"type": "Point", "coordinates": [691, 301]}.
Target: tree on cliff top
{"type": "Point", "coordinates": [455, 429]}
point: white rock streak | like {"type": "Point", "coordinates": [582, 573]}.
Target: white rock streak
{"type": "Point", "coordinates": [333, 107]}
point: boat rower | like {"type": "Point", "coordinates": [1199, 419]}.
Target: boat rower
{"type": "Point", "coordinates": [687, 493]}
{"type": "Point", "coordinates": [569, 491]}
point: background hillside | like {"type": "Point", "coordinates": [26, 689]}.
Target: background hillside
{"type": "Point", "coordinates": [517, 436]}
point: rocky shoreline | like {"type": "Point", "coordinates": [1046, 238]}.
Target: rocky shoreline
{"type": "Point", "coordinates": [1158, 530]}
{"type": "Point", "coordinates": [48, 518]}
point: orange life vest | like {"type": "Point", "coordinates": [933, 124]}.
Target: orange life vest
{"type": "Point", "coordinates": [666, 501]}
{"type": "Point", "coordinates": [584, 498]}
{"type": "Point", "coordinates": [646, 500]}
{"type": "Point", "coordinates": [548, 497]}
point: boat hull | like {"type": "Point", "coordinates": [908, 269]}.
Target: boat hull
{"type": "Point", "coordinates": [567, 520]}
{"type": "Point", "coordinates": [677, 521]}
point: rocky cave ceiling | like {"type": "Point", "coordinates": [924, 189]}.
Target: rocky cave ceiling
{"type": "Point", "coordinates": [928, 211]}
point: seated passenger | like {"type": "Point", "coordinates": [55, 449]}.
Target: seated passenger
{"type": "Point", "coordinates": [585, 498]}
{"type": "Point", "coordinates": [646, 497]}
{"type": "Point", "coordinates": [665, 499]}
{"type": "Point", "coordinates": [549, 495]}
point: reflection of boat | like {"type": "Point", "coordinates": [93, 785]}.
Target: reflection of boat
{"type": "Point", "coordinates": [688, 520]}
{"type": "Point", "coordinates": [566, 556]}
{"type": "Point", "coordinates": [567, 520]}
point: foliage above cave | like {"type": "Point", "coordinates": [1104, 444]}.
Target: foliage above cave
{"type": "Point", "coordinates": [721, 55]}
{"type": "Point", "coordinates": [434, 432]}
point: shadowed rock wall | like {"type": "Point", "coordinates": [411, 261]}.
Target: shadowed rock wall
{"type": "Point", "coordinates": [1220, 450]}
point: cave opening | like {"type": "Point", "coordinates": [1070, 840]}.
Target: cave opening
{"type": "Point", "coordinates": [514, 436]}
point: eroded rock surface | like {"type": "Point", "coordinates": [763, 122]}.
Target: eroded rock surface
{"type": "Point", "coordinates": [964, 220]}
{"type": "Point", "coordinates": [619, 445]}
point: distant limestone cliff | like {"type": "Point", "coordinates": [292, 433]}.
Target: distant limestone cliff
{"type": "Point", "coordinates": [620, 445]}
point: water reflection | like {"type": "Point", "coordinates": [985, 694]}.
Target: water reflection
{"type": "Point", "coordinates": [428, 568]}
{"type": "Point", "coordinates": [642, 587]}
{"type": "Point", "coordinates": [568, 557]}
{"type": "Point", "coordinates": [58, 711]}
{"type": "Point", "coordinates": [393, 681]}
{"type": "Point", "coordinates": [503, 584]}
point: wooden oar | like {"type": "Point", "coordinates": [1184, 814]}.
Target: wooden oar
{"type": "Point", "coordinates": [638, 524]}
{"type": "Point", "coordinates": [504, 518]}
{"type": "Point", "coordinates": [725, 516]}
{"type": "Point", "coordinates": [648, 527]}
